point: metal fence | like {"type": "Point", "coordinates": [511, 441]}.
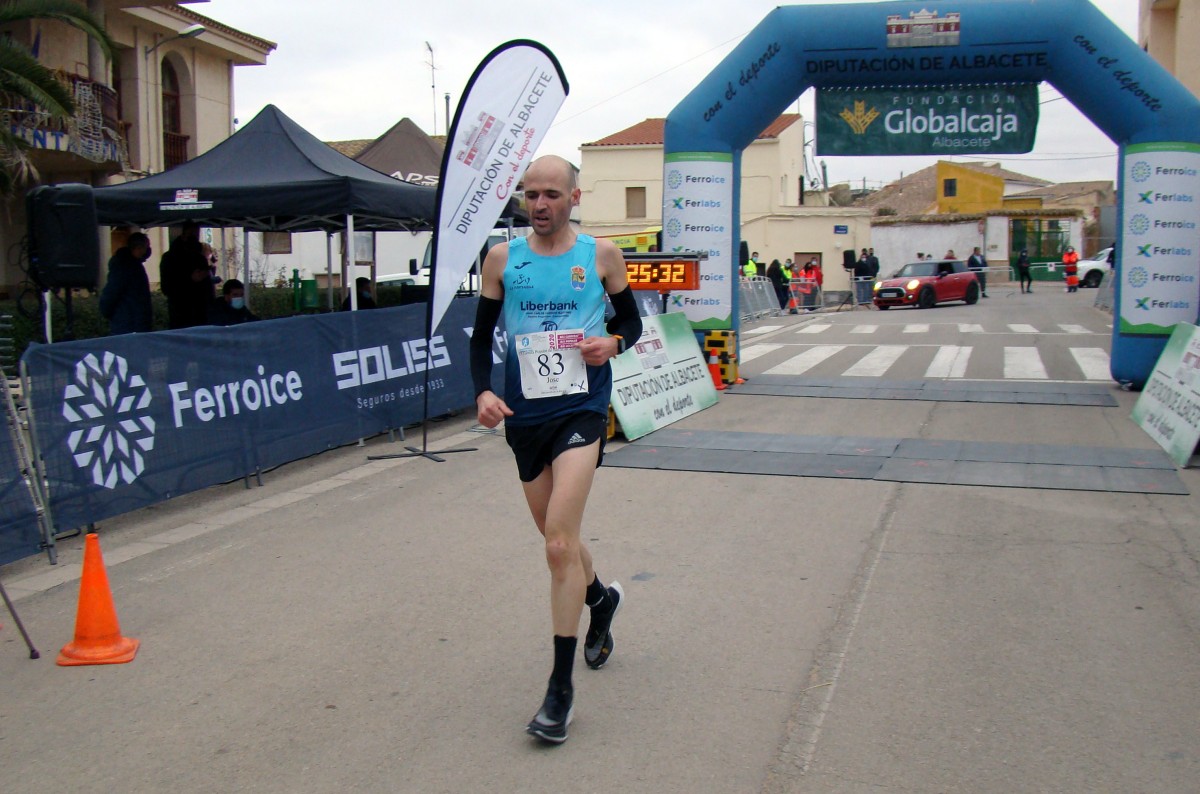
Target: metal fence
{"type": "Point", "coordinates": [757, 298]}
{"type": "Point", "coordinates": [804, 294]}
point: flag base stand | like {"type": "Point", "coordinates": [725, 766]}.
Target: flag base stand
{"type": "Point", "coordinates": [413, 452]}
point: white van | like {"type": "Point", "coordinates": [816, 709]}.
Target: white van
{"type": "Point", "coordinates": [470, 284]}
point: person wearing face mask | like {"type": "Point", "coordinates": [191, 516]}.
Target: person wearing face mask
{"type": "Point", "coordinates": [365, 300]}
{"type": "Point", "coordinates": [230, 308]}
{"type": "Point", "coordinates": [125, 301]}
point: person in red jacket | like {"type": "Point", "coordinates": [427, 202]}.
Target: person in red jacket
{"type": "Point", "coordinates": [1071, 268]}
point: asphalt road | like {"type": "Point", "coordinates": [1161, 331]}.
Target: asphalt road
{"type": "Point", "coordinates": [355, 626]}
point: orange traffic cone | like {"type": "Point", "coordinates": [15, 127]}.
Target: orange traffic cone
{"type": "Point", "coordinates": [98, 637]}
{"type": "Point", "coordinates": [714, 369]}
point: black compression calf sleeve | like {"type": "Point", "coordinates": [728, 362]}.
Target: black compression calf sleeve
{"type": "Point", "coordinates": [481, 343]}
{"type": "Point", "coordinates": [626, 323]}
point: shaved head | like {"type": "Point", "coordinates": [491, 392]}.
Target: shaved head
{"type": "Point", "coordinates": [553, 167]}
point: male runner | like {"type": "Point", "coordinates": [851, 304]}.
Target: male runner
{"type": "Point", "coordinates": [551, 288]}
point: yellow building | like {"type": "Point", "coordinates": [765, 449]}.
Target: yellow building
{"type": "Point", "coordinates": [166, 97]}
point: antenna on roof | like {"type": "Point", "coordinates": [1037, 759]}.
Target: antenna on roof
{"type": "Point", "coordinates": [433, 85]}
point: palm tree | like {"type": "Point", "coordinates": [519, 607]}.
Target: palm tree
{"type": "Point", "coordinates": [26, 85]}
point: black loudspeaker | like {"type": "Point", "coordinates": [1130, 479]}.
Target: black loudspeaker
{"type": "Point", "coordinates": [64, 243]}
{"type": "Point", "coordinates": [848, 260]}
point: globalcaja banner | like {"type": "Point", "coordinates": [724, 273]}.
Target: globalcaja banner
{"type": "Point", "coordinates": [20, 535]}
{"type": "Point", "coordinates": [1168, 408]}
{"type": "Point", "coordinates": [662, 378]}
{"type": "Point", "coordinates": [127, 421]}
{"type": "Point", "coordinates": [505, 111]}
{"type": "Point", "coordinates": [994, 119]}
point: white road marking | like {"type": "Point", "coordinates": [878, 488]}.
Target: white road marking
{"type": "Point", "coordinates": [815, 328]}
{"type": "Point", "coordinates": [1023, 363]}
{"type": "Point", "coordinates": [762, 329]}
{"type": "Point", "coordinates": [1073, 329]}
{"type": "Point", "coordinates": [864, 329]}
{"type": "Point", "coordinates": [970, 328]}
{"type": "Point", "coordinates": [950, 362]}
{"type": "Point", "coordinates": [1022, 328]}
{"type": "Point", "coordinates": [877, 362]}
{"type": "Point", "coordinates": [798, 365]}
{"type": "Point", "coordinates": [1093, 362]}
{"type": "Point", "coordinates": [752, 352]}
{"type": "Point", "coordinates": [917, 328]}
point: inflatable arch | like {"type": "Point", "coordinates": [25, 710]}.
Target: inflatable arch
{"type": "Point", "coordinates": [1154, 120]}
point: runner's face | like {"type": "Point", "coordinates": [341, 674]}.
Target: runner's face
{"type": "Point", "coordinates": [549, 199]}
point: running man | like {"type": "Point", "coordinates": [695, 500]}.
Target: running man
{"type": "Point", "coordinates": [557, 383]}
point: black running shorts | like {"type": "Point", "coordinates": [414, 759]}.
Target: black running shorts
{"type": "Point", "coordinates": [536, 446]}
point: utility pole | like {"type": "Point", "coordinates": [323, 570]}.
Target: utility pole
{"type": "Point", "coordinates": [433, 85]}
{"type": "Point", "coordinates": [447, 114]}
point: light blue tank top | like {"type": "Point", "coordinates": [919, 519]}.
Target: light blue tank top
{"type": "Point", "coordinates": [547, 293]}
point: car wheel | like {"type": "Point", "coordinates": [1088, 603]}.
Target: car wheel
{"type": "Point", "coordinates": [926, 299]}
{"type": "Point", "coordinates": [972, 296]}
{"type": "Point", "coordinates": [1092, 279]}
{"type": "Point", "coordinates": [883, 307]}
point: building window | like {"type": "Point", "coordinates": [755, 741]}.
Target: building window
{"type": "Point", "coordinates": [276, 243]}
{"type": "Point", "coordinates": [174, 141]}
{"type": "Point", "coordinates": [635, 202]}
{"type": "Point", "coordinates": [949, 188]}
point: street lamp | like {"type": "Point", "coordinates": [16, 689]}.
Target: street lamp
{"type": "Point", "coordinates": [190, 32]}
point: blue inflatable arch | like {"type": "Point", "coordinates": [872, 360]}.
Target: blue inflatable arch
{"type": "Point", "coordinates": [1068, 43]}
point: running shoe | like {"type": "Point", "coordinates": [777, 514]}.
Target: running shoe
{"type": "Point", "coordinates": [550, 724]}
{"type": "Point", "coordinates": [598, 642]}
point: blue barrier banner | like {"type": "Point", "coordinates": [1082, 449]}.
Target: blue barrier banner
{"type": "Point", "coordinates": [127, 421]}
{"type": "Point", "coordinates": [20, 535]}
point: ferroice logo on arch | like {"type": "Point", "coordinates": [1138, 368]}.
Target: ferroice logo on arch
{"type": "Point", "coordinates": [109, 406]}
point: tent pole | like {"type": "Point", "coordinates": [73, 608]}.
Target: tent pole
{"type": "Point", "coordinates": [329, 268]}
{"type": "Point", "coordinates": [351, 267]}
{"type": "Point", "coordinates": [246, 260]}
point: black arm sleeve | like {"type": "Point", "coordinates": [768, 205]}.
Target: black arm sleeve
{"type": "Point", "coordinates": [486, 316]}
{"type": "Point", "coordinates": [626, 323]}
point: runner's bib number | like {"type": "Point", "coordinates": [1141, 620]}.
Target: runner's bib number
{"type": "Point", "coordinates": [551, 364]}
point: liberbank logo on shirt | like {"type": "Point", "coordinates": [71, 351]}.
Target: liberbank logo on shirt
{"type": "Point", "coordinates": [942, 120]}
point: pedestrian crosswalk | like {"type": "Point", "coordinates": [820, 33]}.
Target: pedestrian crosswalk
{"type": "Point", "coordinates": [1019, 362]}
{"type": "Point", "coordinates": [909, 350]}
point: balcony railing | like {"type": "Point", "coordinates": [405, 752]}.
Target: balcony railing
{"type": "Point", "coordinates": [174, 149]}
{"type": "Point", "coordinates": [93, 133]}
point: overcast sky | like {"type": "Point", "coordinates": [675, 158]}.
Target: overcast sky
{"type": "Point", "coordinates": [353, 68]}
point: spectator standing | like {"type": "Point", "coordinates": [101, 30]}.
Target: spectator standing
{"type": "Point", "coordinates": [873, 261]}
{"type": "Point", "coordinates": [978, 266]}
{"type": "Point", "coordinates": [125, 301]}
{"type": "Point", "coordinates": [185, 279]}
{"type": "Point", "coordinates": [779, 282]}
{"type": "Point", "coordinates": [1071, 268]}
{"type": "Point", "coordinates": [1023, 271]}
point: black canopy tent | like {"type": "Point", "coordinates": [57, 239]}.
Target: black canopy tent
{"type": "Point", "coordinates": [270, 175]}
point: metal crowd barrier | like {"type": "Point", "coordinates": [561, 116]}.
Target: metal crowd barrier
{"type": "Point", "coordinates": [1105, 295]}
{"type": "Point", "coordinates": [864, 294]}
{"type": "Point", "coordinates": [757, 298]}
{"type": "Point", "coordinates": [804, 295]}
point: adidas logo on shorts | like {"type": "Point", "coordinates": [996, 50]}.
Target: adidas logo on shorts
{"type": "Point", "coordinates": [575, 439]}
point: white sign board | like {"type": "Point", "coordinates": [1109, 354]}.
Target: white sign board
{"type": "Point", "coordinates": [697, 202]}
{"type": "Point", "coordinates": [1169, 406]}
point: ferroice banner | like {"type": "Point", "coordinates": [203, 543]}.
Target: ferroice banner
{"type": "Point", "coordinates": [20, 535]}
{"type": "Point", "coordinates": [505, 111]}
{"type": "Point", "coordinates": [942, 120]}
{"type": "Point", "coordinates": [127, 421]}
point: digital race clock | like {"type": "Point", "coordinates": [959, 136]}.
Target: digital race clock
{"type": "Point", "coordinates": [662, 273]}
